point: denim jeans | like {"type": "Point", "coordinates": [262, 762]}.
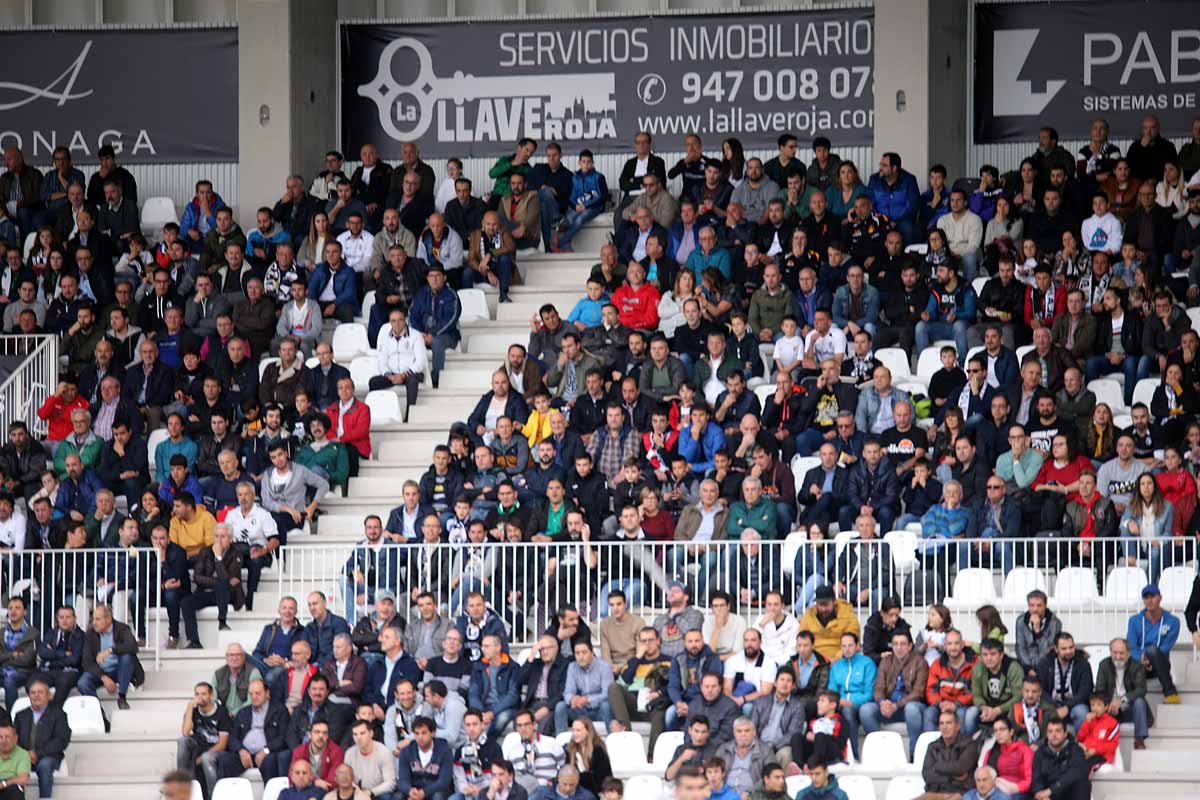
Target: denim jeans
{"type": "Point", "coordinates": [1001, 551]}
{"type": "Point", "coordinates": [564, 715]}
{"type": "Point", "coordinates": [576, 221]}
{"type": "Point", "coordinates": [633, 588]}
{"type": "Point", "coordinates": [502, 266]}
{"type": "Point", "coordinates": [13, 681]}
{"type": "Point", "coordinates": [886, 518]}
{"type": "Point", "coordinates": [809, 440]}
{"type": "Point", "coordinates": [970, 267]}
{"type": "Point", "coordinates": [850, 714]}
{"type": "Point", "coordinates": [441, 343]}
{"type": "Point", "coordinates": [45, 767]}
{"type": "Point", "coordinates": [123, 675]}
{"type": "Point", "coordinates": [1137, 712]}
{"type": "Point", "coordinates": [550, 215]}
{"type": "Point", "coordinates": [808, 591]}
{"type": "Point", "coordinates": [911, 714]}
{"type": "Point", "coordinates": [1160, 667]}
{"type": "Point", "coordinates": [928, 332]}
{"type": "Point", "coordinates": [1152, 551]}
{"type": "Point", "coordinates": [931, 718]}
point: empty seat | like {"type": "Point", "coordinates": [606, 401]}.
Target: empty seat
{"type": "Point", "coordinates": [978, 284]}
{"type": "Point", "coordinates": [1143, 390]}
{"type": "Point", "coordinates": [1020, 582]}
{"type": "Point", "coordinates": [1124, 587]}
{"type": "Point", "coordinates": [1075, 587]}
{"type": "Point", "coordinates": [664, 749]}
{"type": "Point", "coordinates": [84, 715]}
{"type": "Point", "coordinates": [884, 751]}
{"type": "Point", "coordinates": [273, 788]}
{"type": "Point", "coordinates": [1176, 586]}
{"type": "Point", "coordinates": [791, 546]}
{"type": "Point", "coordinates": [627, 753]}
{"type": "Point", "coordinates": [642, 786]}
{"type": "Point", "coordinates": [929, 362]}
{"type": "Point", "coordinates": [1122, 421]}
{"type": "Point", "coordinates": [974, 587]}
{"type": "Point", "coordinates": [262, 366]}
{"type": "Point", "coordinates": [233, 789]}
{"type": "Point", "coordinates": [1108, 391]}
{"type": "Point", "coordinates": [362, 369]}
{"type": "Point", "coordinates": [801, 465]}
{"type": "Point", "coordinates": [1194, 317]}
{"type": "Point", "coordinates": [474, 305]}
{"type": "Point", "coordinates": [27, 246]}
{"type": "Point", "coordinates": [763, 392]}
{"type": "Point", "coordinates": [796, 784]}
{"type": "Point", "coordinates": [903, 546]}
{"type": "Point", "coordinates": [156, 212]}
{"type": "Point", "coordinates": [563, 739]}
{"type": "Point", "coordinates": [895, 359]}
{"type": "Point", "coordinates": [920, 248]}
{"type": "Point", "coordinates": [857, 787]}
{"type": "Point", "coordinates": [905, 787]}
{"type": "Point", "coordinates": [349, 341]}
{"type": "Point", "coordinates": [923, 741]}
{"type": "Point", "coordinates": [157, 437]}
{"type": "Point", "coordinates": [385, 407]}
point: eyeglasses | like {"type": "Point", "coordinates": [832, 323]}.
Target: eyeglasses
{"type": "Point", "coordinates": [995, 486]}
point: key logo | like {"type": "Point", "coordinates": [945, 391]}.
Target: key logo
{"type": "Point", "coordinates": [1012, 96]}
{"type": "Point", "coordinates": [467, 108]}
{"type": "Point", "coordinates": [27, 94]}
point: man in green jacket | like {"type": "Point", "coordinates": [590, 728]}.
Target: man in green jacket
{"type": "Point", "coordinates": [506, 166]}
{"type": "Point", "coordinates": [1121, 681]}
{"type": "Point", "coordinates": [995, 686]}
{"type": "Point", "coordinates": [753, 511]}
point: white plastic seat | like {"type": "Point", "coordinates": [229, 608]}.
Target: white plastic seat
{"type": "Point", "coordinates": [1023, 351]}
{"type": "Point", "coordinates": [1124, 587]}
{"type": "Point", "coordinates": [157, 437]}
{"type": "Point", "coordinates": [27, 245]}
{"type": "Point", "coordinates": [978, 284]}
{"type": "Point", "coordinates": [312, 362]}
{"type": "Point", "coordinates": [19, 705]}
{"type": "Point", "coordinates": [1095, 653]}
{"type": "Point", "coordinates": [763, 392]}
{"type": "Point", "coordinates": [1122, 422]}
{"type": "Point", "coordinates": [884, 751]}
{"type": "Point", "coordinates": [1108, 391]}
{"type": "Point", "coordinates": [1020, 582]}
{"type": "Point", "coordinates": [474, 305]}
{"type": "Point", "coordinates": [903, 547]}
{"type": "Point", "coordinates": [362, 369]}
{"type": "Point", "coordinates": [905, 787]}
{"type": "Point", "coordinates": [801, 465]}
{"type": "Point", "coordinates": [84, 714]}
{"type": "Point", "coordinates": [791, 546]}
{"type": "Point", "coordinates": [909, 385]}
{"type": "Point", "coordinates": [349, 341]}
{"type": "Point", "coordinates": [1075, 587]}
{"type": "Point", "coordinates": [919, 248]}
{"type": "Point", "coordinates": [856, 787]}
{"type": "Point", "coordinates": [156, 212]}
{"type": "Point", "coordinates": [197, 789]}
{"type": "Point", "coordinates": [385, 407]}
{"type": "Point", "coordinates": [971, 353]}
{"type": "Point", "coordinates": [1176, 586]}
{"type": "Point", "coordinates": [923, 741]}
{"type": "Point", "coordinates": [367, 304]}
{"type": "Point", "coordinates": [640, 786]}
{"type": "Point", "coordinates": [233, 789]}
{"type": "Point", "coordinates": [273, 788]}
{"type": "Point", "coordinates": [1194, 317]}
{"type": "Point", "coordinates": [895, 359]}
{"type": "Point", "coordinates": [262, 366]}
{"type": "Point", "coordinates": [664, 749]}
{"type": "Point", "coordinates": [974, 587]}
{"type": "Point", "coordinates": [796, 784]}
{"type": "Point", "coordinates": [563, 739]}
{"type": "Point", "coordinates": [1143, 391]}
{"type": "Point", "coordinates": [627, 753]}
{"type": "Point", "coordinates": [929, 362]}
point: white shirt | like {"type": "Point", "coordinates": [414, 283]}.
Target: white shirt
{"type": "Point", "coordinates": [757, 674]}
{"type": "Point", "coordinates": [253, 528]}
{"type": "Point", "coordinates": [356, 250]}
{"type": "Point", "coordinates": [403, 354]}
{"type": "Point", "coordinates": [831, 344]}
{"type": "Point", "coordinates": [639, 249]}
{"type": "Point", "coordinates": [779, 640]}
{"type": "Point", "coordinates": [12, 531]}
{"type": "Point", "coordinates": [1102, 233]}
{"type": "Point", "coordinates": [445, 194]}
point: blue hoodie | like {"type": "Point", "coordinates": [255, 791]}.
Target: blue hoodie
{"type": "Point", "coordinates": [191, 216]}
{"type": "Point", "coordinates": [961, 301]}
{"type": "Point", "coordinates": [854, 679]}
{"type": "Point", "coordinates": [899, 202]}
{"type": "Point", "coordinates": [589, 188]}
{"type": "Point", "coordinates": [1142, 633]}
{"type": "Point", "coordinates": [435, 315]}
{"type": "Point", "coordinates": [700, 454]}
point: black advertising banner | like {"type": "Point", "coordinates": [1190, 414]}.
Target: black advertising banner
{"type": "Point", "coordinates": [472, 89]}
{"type": "Point", "coordinates": [155, 95]}
{"type": "Point", "coordinates": [1064, 64]}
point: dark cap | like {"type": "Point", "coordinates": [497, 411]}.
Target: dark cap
{"type": "Point", "coordinates": [106, 152]}
{"type": "Point", "coordinates": [824, 594]}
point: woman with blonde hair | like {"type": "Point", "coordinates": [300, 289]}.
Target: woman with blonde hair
{"type": "Point", "coordinates": [586, 752]}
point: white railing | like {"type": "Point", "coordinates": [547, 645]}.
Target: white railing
{"type": "Point", "coordinates": [127, 580]}
{"type": "Point", "coordinates": [1093, 592]}
{"type": "Point", "coordinates": [35, 379]}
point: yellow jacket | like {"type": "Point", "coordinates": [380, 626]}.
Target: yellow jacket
{"type": "Point", "coordinates": [827, 639]}
{"type": "Point", "coordinates": [536, 429]}
{"type": "Point", "coordinates": [196, 535]}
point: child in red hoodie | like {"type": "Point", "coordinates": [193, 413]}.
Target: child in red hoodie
{"type": "Point", "coordinates": [1099, 734]}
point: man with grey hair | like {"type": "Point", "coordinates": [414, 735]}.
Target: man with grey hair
{"type": "Point", "coordinates": [943, 523]}
{"type": "Point", "coordinates": [231, 682]}
{"type": "Point", "coordinates": [754, 511]}
{"type": "Point", "coordinates": [295, 209]}
{"type": "Point", "coordinates": [217, 581]}
{"type": "Point", "coordinates": [985, 786]}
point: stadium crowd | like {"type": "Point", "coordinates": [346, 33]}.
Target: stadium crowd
{"type": "Point", "coordinates": [633, 418]}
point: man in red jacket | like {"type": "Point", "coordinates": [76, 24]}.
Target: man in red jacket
{"type": "Point", "coordinates": [636, 300]}
{"type": "Point", "coordinates": [350, 424]}
{"type": "Point", "coordinates": [948, 687]}
{"type": "Point", "coordinates": [57, 410]}
{"type": "Point", "coordinates": [325, 752]}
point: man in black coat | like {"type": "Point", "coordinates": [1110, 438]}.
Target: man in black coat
{"type": "Point", "coordinates": [1059, 766]}
{"type": "Point", "coordinates": [316, 707]}
{"type": "Point", "coordinates": [149, 384]}
{"type": "Point", "coordinates": [550, 665]}
{"type": "Point", "coordinates": [323, 378]}
{"type": "Point", "coordinates": [124, 463]}
{"type": "Point", "coordinates": [46, 738]}
{"type": "Point", "coordinates": [61, 656]}
{"type": "Point", "coordinates": [120, 666]}
{"type": "Point", "coordinates": [820, 502]}
{"type": "Point", "coordinates": [256, 747]}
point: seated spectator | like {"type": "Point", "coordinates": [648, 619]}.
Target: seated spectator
{"type": "Point", "coordinates": [535, 758]}
{"type": "Point", "coordinates": [43, 732]}
{"type": "Point", "coordinates": [217, 574]}
{"type": "Point", "coordinates": [883, 624]}
{"type": "Point", "coordinates": [633, 238]}
{"type": "Point", "coordinates": [1059, 765]}
{"type": "Point", "coordinates": [824, 737]}
{"type": "Point", "coordinates": [995, 685]}
{"type": "Point", "coordinates": [1151, 635]}
{"type": "Point", "coordinates": [334, 286]}
{"type": "Point", "coordinates": [963, 229]}
{"type": "Point", "coordinates": [1121, 683]}
{"type": "Point", "coordinates": [950, 760]}
{"type": "Point", "coordinates": [434, 313]}
{"type": "Point", "coordinates": [1066, 679]}
{"type": "Point", "coordinates": [856, 674]}
{"type": "Point", "coordinates": [1100, 734]}
{"type": "Point", "coordinates": [898, 690]}
{"type": "Point", "coordinates": [120, 668]}
{"type": "Point", "coordinates": [521, 213]}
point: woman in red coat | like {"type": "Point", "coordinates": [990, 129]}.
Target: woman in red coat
{"type": "Point", "coordinates": [1178, 487]}
{"type": "Point", "coordinates": [1011, 758]}
{"type": "Point", "coordinates": [350, 424]}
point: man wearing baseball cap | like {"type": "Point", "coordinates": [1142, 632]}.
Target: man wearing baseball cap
{"type": "Point", "coordinates": [1152, 633]}
{"type": "Point", "coordinates": [680, 617]}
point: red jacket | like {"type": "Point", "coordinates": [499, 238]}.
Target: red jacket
{"type": "Point", "coordinates": [1037, 309]}
{"type": "Point", "coordinates": [946, 683]}
{"type": "Point", "coordinates": [1179, 489]}
{"type": "Point", "coordinates": [1102, 734]}
{"type": "Point", "coordinates": [1013, 762]}
{"type": "Point", "coordinates": [638, 309]}
{"type": "Point", "coordinates": [357, 427]}
{"type": "Point", "coordinates": [58, 415]}
{"type": "Point", "coordinates": [331, 759]}
{"type": "Point", "coordinates": [312, 670]}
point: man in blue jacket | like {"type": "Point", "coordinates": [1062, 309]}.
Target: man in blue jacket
{"type": "Point", "coordinates": [896, 195]}
{"type": "Point", "coordinates": [495, 685]}
{"type": "Point", "coordinates": [200, 216]}
{"type": "Point", "coordinates": [324, 626]}
{"type": "Point", "coordinates": [1152, 633]}
{"type": "Point", "coordinates": [873, 489]}
{"type": "Point", "coordinates": [61, 654]}
{"type": "Point", "coordinates": [589, 194]}
{"type": "Point", "coordinates": [334, 285]}
{"type": "Point", "coordinates": [434, 314]}
{"type": "Point", "coordinates": [853, 677]}
{"type": "Point", "coordinates": [700, 441]}
{"type": "Point", "coordinates": [950, 312]}
{"type": "Point", "coordinates": [274, 647]}
{"type": "Point", "coordinates": [428, 766]}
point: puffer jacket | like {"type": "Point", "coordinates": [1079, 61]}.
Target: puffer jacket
{"type": "Point", "coordinates": [589, 188]}
{"type": "Point", "coordinates": [945, 683]}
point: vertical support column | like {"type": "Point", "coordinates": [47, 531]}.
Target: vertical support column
{"type": "Point", "coordinates": [286, 105]}
{"type": "Point", "coordinates": [921, 75]}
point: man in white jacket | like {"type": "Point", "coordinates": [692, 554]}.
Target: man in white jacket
{"type": "Point", "coordinates": [402, 360]}
{"type": "Point", "coordinates": [964, 231]}
{"type": "Point", "coordinates": [1102, 230]}
{"type": "Point", "coordinates": [778, 629]}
